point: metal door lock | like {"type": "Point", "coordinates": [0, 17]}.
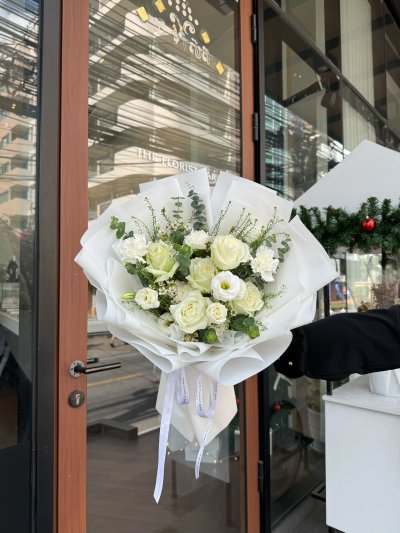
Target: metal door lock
{"type": "Point", "coordinates": [76, 398]}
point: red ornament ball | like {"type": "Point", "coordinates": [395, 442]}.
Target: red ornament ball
{"type": "Point", "coordinates": [277, 407]}
{"type": "Point", "coordinates": [368, 225]}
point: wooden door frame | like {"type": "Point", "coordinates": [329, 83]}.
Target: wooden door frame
{"type": "Point", "coordinates": [249, 406]}
{"type": "Point", "coordinates": [72, 306]}
{"type": "Point", "coordinates": [73, 217]}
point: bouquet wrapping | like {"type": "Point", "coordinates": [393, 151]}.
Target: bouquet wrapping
{"type": "Point", "coordinates": [207, 285]}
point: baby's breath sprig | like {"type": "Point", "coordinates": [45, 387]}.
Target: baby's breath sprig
{"type": "Point", "coordinates": [189, 337]}
{"type": "Point", "coordinates": [133, 306]}
{"type": "Point", "coordinates": [142, 226]}
{"type": "Point", "coordinates": [269, 296]}
{"type": "Point", "coordinates": [244, 225]}
{"type": "Point", "coordinates": [215, 229]}
{"type": "Point", "coordinates": [166, 218]}
{"type": "Point", "coordinates": [156, 228]}
{"type": "Point", "coordinates": [265, 236]}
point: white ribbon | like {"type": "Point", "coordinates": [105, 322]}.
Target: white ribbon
{"type": "Point", "coordinates": [213, 391]}
{"type": "Point", "coordinates": [182, 394]}
{"type": "Point", "coordinates": [164, 430]}
{"type": "Point", "coordinates": [176, 380]}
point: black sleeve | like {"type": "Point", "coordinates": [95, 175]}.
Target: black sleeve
{"type": "Point", "coordinates": [343, 344]}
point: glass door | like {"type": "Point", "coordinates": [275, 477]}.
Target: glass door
{"type": "Point", "coordinates": [164, 98]}
{"type": "Point", "coordinates": [302, 105]}
{"type": "Point", "coordinates": [19, 51]}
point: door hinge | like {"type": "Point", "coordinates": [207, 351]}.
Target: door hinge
{"type": "Point", "coordinates": [254, 33]}
{"type": "Point", "coordinates": [256, 127]}
{"type": "Point", "coordinates": [260, 476]}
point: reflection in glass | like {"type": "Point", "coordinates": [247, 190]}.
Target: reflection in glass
{"type": "Point", "coordinates": [361, 122]}
{"type": "Point", "coordinates": [18, 124]}
{"type": "Point", "coordinates": [356, 35]}
{"type": "Point", "coordinates": [302, 110]}
{"type": "Point", "coordinates": [164, 98]}
{"type": "Point", "coordinates": [319, 22]}
{"type": "Point", "coordinates": [392, 64]}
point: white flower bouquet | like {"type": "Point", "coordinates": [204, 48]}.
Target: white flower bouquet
{"type": "Point", "coordinates": [207, 285]}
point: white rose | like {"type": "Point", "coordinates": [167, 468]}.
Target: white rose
{"type": "Point", "coordinates": [227, 252]}
{"type": "Point", "coordinates": [161, 260]}
{"type": "Point", "coordinates": [250, 303]}
{"type": "Point", "coordinates": [197, 240]}
{"type": "Point", "coordinates": [264, 263]}
{"type": "Point", "coordinates": [133, 249]}
{"type": "Point", "coordinates": [225, 286]}
{"type": "Point", "coordinates": [191, 313]}
{"type": "Point", "coordinates": [216, 313]}
{"type": "Point", "coordinates": [147, 298]}
{"type": "Point", "coordinates": [201, 272]}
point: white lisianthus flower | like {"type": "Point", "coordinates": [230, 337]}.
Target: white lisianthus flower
{"type": "Point", "coordinates": [201, 272]}
{"type": "Point", "coordinates": [161, 262]}
{"type": "Point", "coordinates": [250, 303]}
{"type": "Point", "coordinates": [225, 286]}
{"type": "Point", "coordinates": [147, 298]}
{"type": "Point", "coordinates": [227, 252]}
{"type": "Point", "coordinates": [264, 263]}
{"type": "Point", "coordinates": [216, 313]}
{"type": "Point", "coordinates": [197, 240]}
{"type": "Point", "coordinates": [191, 313]}
{"type": "Point", "coordinates": [134, 249]}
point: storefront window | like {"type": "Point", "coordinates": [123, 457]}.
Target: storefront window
{"type": "Point", "coordinates": [164, 89]}
{"type": "Point", "coordinates": [18, 181]}
{"type": "Point", "coordinates": [315, 115]}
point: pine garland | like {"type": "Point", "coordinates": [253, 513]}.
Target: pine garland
{"type": "Point", "coordinates": [335, 228]}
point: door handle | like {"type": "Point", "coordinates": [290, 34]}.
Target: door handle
{"type": "Point", "coordinates": [77, 368]}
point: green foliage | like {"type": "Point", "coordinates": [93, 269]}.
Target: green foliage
{"type": "Point", "coordinates": [245, 324]}
{"type": "Point", "coordinates": [198, 216]}
{"type": "Point", "coordinates": [183, 254]}
{"type": "Point", "coordinates": [208, 335]}
{"type": "Point", "coordinates": [165, 302]}
{"type": "Point", "coordinates": [139, 270]}
{"type": "Point", "coordinates": [177, 212]}
{"type": "Point", "coordinates": [284, 248]}
{"type": "Point", "coordinates": [337, 228]}
{"type": "Point", "coordinates": [118, 227]}
{"type": "Point", "coordinates": [177, 236]}
{"type": "Point", "coordinates": [243, 271]}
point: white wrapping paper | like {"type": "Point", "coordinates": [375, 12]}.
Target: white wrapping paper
{"type": "Point", "coordinates": [306, 269]}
